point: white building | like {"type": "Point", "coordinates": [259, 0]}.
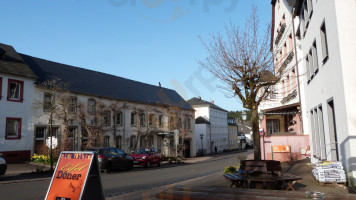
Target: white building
{"type": "Point", "coordinates": [327, 32]}
{"type": "Point", "coordinates": [100, 110]}
{"type": "Point", "coordinates": [16, 98]}
{"type": "Point", "coordinates": [217, 133]}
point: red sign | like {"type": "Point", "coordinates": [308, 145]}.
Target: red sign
{"type": "Point", "coordinates": [70, 176]}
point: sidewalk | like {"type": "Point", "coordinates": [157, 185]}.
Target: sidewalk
{"type": "Point", "coordinates": [302, 168]}
{"type": "Point", "coordinates": [23, 172]}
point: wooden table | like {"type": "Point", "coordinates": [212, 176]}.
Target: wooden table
{"type": "Point", "coordinates": [240, 180]}
{"type": "Point", "coordinates": [213, 193]}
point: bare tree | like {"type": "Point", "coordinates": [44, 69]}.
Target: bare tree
{"type": "Point", "coordinates": [55, 104]}
{"type": "Point", "coordinates": [242, 60]}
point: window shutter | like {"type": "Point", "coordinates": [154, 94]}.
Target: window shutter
{"type": "Point", "coordinates": [315, 58]}
{"type": "Point", "coordinates": [307, 67]}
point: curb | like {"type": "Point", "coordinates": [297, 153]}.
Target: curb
{"type": "Point", "coordinates": [24, 180]}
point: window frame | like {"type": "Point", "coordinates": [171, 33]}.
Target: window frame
{"type": "Point", "coordinates": [19, 127]}
{"type": "Point", "coordinates": [73, 105]}
{"type": "Point", "coordinates": [273, 120]}
{"type": "Point", "coordinates": [20, 92]}
{"type": "Point", "coordinates": [133, 119]}
{"type": "Point", "coordinates": [118, 120]}
{"type": "Point", "coordinates": [91, 110]}
{"type": "Point", "coordinates": [324, 42]}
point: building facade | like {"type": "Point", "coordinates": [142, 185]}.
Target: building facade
{"type": "Point", "coordinates": [16, 99]}
{"type": "Point", "coordinates": [84, 109]}
{"type": "Point", "coordinates": [234, 142]}
{"type": "Point", "coordinates": [326, 31]}
{"type": "Point", "coordinates": [282, 122]}
{"type": "Point", "coordinates": [217, 117]}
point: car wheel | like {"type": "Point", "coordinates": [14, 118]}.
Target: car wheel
{"type": "Point", "coordinates": [159, 163]}
{"type": "Point", "coordinates": [108, 168]}
{"type": "Point", "coordinates": [130, 166]}
{"type": "Point", "coordinates": [148, 164]}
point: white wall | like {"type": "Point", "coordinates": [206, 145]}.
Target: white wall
{"type": "Point", "coordinates": [335, 79]}
{"type": "Point", "coordinates": [21, 110]}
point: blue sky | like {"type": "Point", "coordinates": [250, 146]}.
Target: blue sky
{"type": "Point", "coordinates": [145, 40]}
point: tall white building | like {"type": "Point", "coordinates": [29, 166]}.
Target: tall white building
{"type": "Point", "coordinates": [327, 32]}
{"type": "Point", "coordinates": [217, 133]}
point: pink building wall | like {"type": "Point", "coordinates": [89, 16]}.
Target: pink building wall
{"type": "Point", "coordinates": [297, 142]}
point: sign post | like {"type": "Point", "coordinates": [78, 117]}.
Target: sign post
{"type": "Point", "coordinates": [77, 176]}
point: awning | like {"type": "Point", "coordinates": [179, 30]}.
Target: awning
{"type": "Point", "coordinates": [282, 113]}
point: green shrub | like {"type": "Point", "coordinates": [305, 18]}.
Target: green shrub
{"type": "Point", "coordinates": [230, 169]}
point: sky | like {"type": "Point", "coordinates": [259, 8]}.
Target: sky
{"type": "Point", "coordinates": [150, 41]}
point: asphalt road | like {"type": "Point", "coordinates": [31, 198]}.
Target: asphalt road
{"type": "Point", "coordinates": [127, 181]}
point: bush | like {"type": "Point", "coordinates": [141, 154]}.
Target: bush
{"type": "Point", "coordinates": [230, 169]}
{"type": "Point", "coordinates": [42, 159]}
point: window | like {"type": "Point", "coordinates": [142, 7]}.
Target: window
{"type": "Point", "coordinates": [142, 141]}
{"type": "Point", "coordinates": [119, 119]}
{"type": "Point", "coordinates": [15, 90]}
{"type": "Point", "coordinates": [171, 122]}
{"type": "Point", "coordinates": [290, 39]}
{"type": "Point", "coordinates": [132, 142]}
{"type": "Point", "coordinates": [315, 58]}
{"type": "Point", "coordinates": [72, 138]}
{"type": "Point", "coordinates": [13, 128]}
{"type": "Point", "coordinates": [142, 120]}
{"type": "Point", "coordinates": [324, 43]}
{"type": "Point", "coordinates": [72, 105]}
{"type": "Point", "coordinates": [150, 120]}
{"type": "Point", "coordinates": [272, 126]}
{"type": "Point", "coordinates": [150, 141]}
{"type": "Point", "coordinates": [285, 50]}
{"type": "Point", "coordinates": [133, 119]}
{"type": "Point", "coordinates": [119, 142]}
{"type": "Point", "coordinates": [180, 123]}
{"type": "Point", "coordinates": [84, 138]}
{"type": "Point", "coordinates": [310, 59]}
{"type": "Point", "coordinates": [106, 119]}
{"type": "Point", "coordinates": [283, 89]}
{"type": "Point", "coordinates": [189, 124]}
{"type": "Point", "coordinates": [294, 80]}
{"type": "Point", "coordinates": [107, 141]}
{"type": "Point", "coordinates": [47, 102]}
{"type": "Point", "coordinates": [160, 121]}
{"type": "Point", "coordinates": [40, 133]}
{"type": "Point", "coordinates": [91, 106]}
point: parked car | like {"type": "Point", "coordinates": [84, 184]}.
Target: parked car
{"type": "Point", "coordinates": [113, 158]}
{"type": "Point", "coordinates": [147, 157]}
{"type": "Point", "coordinates": [3, 166]}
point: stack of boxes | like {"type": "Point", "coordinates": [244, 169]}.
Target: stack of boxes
{"type": "Point", "coordinates": [329, 172]}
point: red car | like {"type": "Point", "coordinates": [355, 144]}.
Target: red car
{"type": "Point", "coordinates": [146, 157]}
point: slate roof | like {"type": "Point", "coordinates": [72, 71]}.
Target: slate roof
{"type": "Point", "coordinates": [199, 102]}
{"type": "Point", "coordinates": [12, 63]}
{"type": "Point", "coordinates": [95, 83]}
{"type": "Point", "coordinates": [201, 120]}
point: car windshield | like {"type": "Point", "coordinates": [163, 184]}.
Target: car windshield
{"type": "Point", "coordinates": [143, 151]}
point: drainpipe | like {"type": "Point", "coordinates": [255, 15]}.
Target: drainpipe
{"type": "Point", "coordinates": [297, 71]}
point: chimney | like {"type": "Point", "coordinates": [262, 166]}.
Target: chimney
{"type": "Point", "coordinates": [2, 54]}
{"type": "Point", "coordinates": [199, 97]}
{"type": "Point", "coordinates": [159, 84]}
{"type": "Point", "coordinates": [212, 101]}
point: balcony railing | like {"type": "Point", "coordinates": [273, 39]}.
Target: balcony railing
{"type": "Point", "coordinates": [290, 97]}
{"type": "Point", "coordinates": [288, 60]}
{"type": "Point", "coordinates": [280, 33]}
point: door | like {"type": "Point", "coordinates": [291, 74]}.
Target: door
{"type": "Point", "coordinates": [187, 148]}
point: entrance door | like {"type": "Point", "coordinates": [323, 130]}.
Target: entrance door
{"type": "Point", "coordinates": [187, 149]}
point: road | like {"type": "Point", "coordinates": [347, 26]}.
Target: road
{"type": "Point", "coordinates": [127, 181]}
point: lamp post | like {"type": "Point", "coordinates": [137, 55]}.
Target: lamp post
{"type": "Point", "coordinates": [260, 117]}
{"type": "Point", "coordinates": [201, 138]}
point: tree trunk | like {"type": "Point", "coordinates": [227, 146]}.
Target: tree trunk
{"type": "Point", "coordinates": [256, 134]}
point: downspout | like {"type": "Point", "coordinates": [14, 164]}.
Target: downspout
{"type": "Point", "coordinates": [297, 70]}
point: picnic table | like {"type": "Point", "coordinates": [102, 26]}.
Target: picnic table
{"type": "Point", "coordinates": [266, 171]}
{"type": "Point", "coordinates": [213, 193]}
{"type": "Point", "coordinates": [276, 182]}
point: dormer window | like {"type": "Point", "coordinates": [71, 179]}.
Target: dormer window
{"type": "Point", "coordinates": [15, 90]}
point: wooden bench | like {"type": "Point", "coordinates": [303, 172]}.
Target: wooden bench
{"type": "Point", "coordinates": [202, 193]}
{"type": "Point", "coordinates": [281, 149]}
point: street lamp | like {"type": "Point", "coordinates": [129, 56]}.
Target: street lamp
{"type": "Point", "coordinates": [260, 116]}
{"type": "Point", "coordinates": [201, 138]}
